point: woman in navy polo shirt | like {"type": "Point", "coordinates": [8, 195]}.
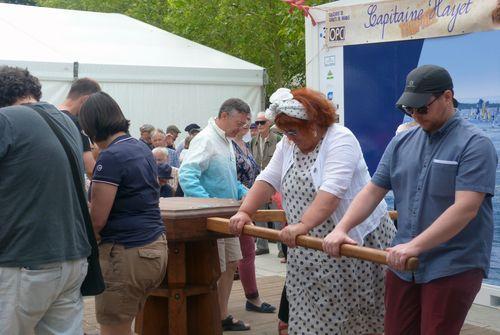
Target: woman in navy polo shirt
{"type": "Point", "coordinates": [125, 213]}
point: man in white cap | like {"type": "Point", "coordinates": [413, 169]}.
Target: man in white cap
{"type": "Point", "coordinates": [263, 146]}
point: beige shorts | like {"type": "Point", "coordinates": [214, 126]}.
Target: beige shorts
{"type": "Point", "coordinates": [129, 275]}
{"type": "Point", "coordinates": [229, 251]}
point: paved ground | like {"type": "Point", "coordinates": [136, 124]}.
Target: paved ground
{"type": "Point", "coordinates": [270, 272]}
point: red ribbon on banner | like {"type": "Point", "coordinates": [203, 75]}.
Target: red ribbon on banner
{"type": "Point", "coordinates": [299, 5]}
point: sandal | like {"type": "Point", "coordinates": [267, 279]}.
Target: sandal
{"type": "Point", "coordinates": [263, 308]}
{"type": "Point", "coordinates": [282, 328]}
{"type": "Point", "coordinates": [230, 324]}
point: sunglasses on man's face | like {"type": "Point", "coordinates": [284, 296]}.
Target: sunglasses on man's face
{"type": "Point", "coordinates": [260, 123]}
{"type": "Point", "coordinates": [420, 110]}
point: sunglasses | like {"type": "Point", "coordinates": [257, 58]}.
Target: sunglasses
{"type": "Point", "coordinates": [419, 110]}
{"type": "Point", "coordinates": [260, 123]}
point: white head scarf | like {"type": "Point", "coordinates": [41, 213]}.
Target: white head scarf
{"type": "Point", "coordinates": [282, 101]}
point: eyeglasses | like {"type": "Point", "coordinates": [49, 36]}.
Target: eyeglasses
{"type": "Point", "coordinates": [241, 124]}
{"type": "Point", "coordinates": [260, 123]}
{"type": "Point", "coordinates": [290, 132]}
{"type": "Point", "coordinates": [419, 110]}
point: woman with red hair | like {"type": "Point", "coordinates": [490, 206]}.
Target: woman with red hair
{"type": "Point", "coordinates": [319, 169]}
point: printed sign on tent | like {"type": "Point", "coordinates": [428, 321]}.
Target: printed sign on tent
{"type": "Point", "coordinates": [392, 20]}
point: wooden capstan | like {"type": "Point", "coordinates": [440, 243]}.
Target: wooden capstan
{"type": "Point", "coordinates": [186, 302]}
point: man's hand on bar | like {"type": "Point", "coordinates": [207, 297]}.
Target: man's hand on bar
{"type": "Point", "coordinates": [397, 255]}
{"type": "Point", "coordinates": [238, 221]}
{"type": "Point", "coordinates": [333, 241]}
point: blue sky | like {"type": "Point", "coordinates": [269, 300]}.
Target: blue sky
{"type": "Point", "coordinates": [473, 61]}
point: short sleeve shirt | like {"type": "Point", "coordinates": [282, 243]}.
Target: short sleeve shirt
{"type": "Point", "coordinates": [135, 218]}
{"type": "Point", "coordinates": [85, 138]}
{"type": "Point", "coordinates": [424, 171]}
{"type": "Point", "coordinates": [40, 216]}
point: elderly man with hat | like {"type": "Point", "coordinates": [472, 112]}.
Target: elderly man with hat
{"type": "Point", "coordinates": [442, 174]}
{"type": "Point", "coordinates": [146, 131]}
{"type": "Point", "coordinates": [164, 176]}
{"type": "Point", "coordinates": [172, 134]}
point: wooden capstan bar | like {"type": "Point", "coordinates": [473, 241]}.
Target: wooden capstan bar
{"type": "Point", "coordinates": [187, 302]}
{"type": "Point", "coordinates": [221, 225]}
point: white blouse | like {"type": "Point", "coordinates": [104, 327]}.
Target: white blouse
{"type": "Point", "coordinates": [339, 169]}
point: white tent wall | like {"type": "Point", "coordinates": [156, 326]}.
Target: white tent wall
{"type": "Point", "coordinates": [56, 78]}
{"type": "Point", "coordinates": [155, 102]}
{"type": "Point", "coordinates": [163, 104]}
{"type": "Point", "coordinates": [155, 76]}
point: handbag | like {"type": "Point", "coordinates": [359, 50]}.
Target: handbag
{"type": "Point", "coordinates": [93, 283]}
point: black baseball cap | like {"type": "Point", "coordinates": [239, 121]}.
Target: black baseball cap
{"type": "Point", "coordinates": [164, 171]}
{"type": "Point", "coordinates": [422, 83]}
{"type": "Point", "coordinates": [192, 127]}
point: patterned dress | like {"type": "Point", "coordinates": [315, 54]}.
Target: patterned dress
{"type": "Point", "coordinates": [329, 295]}
{"type": "Point", "coordinates": [246, 167]}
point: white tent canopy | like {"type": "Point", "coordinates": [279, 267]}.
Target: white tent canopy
{"type": "Point", "coordinates": [156, 77]}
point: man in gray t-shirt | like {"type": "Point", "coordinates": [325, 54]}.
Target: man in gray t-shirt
{"type": "Point", "coordinates": [43, 243]}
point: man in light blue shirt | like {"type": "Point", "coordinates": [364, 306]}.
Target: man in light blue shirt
{"type": "Point", "coordinates": [443, 178]}
{"type": "Point", "coordinates": [209, 171]}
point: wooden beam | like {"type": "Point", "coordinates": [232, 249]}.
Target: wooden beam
{"type": "Point", "coordinates": [369, 254]}
{"type": "Point", "coordinates": [269, 215]}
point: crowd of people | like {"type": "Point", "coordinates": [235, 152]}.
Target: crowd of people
{"type": "Point", "coordinates": [441, 172]}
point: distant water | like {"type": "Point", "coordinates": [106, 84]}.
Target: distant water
{"type": "Point", "coordinates": [493, 131]}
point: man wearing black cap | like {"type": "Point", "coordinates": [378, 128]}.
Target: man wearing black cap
{"type": "Point", "coordinates": [192, 129]}
{"type": "Point", "coordinates": [443, 178]}
{"type": "Point", "coordinates": [164, 175]}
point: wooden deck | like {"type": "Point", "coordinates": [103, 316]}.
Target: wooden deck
{"type": "Point", "coordinates": [262, 324]}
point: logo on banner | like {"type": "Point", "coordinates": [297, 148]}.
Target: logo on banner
{"type": "Point", "coordinates": [329, 60]}
{"type": "Point", "coordinates": [336, 34]}
{"type": "Point", "coordinates": [329, 95]}
{"type": "Point", "coordinates": [322, 33]}
{"type": "Point", "coordinates": [329, 75]}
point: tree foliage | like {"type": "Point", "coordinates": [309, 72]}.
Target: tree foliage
{"type": "Point", "coordinates": [262, 32]}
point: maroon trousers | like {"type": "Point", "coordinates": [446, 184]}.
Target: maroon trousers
{"type": "Point", "coordinates": [438, 307]}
